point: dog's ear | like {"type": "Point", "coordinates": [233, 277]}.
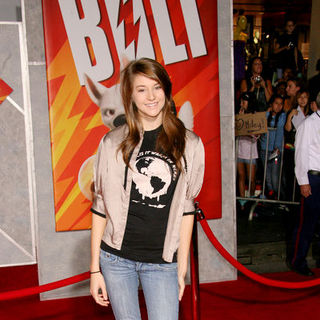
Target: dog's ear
{"type": "Point", "coordinates": [95, 89]}
{"type": "Point", "coordinates": [186, 115]}
{"type": "Point", "coordinates": [124, 62]}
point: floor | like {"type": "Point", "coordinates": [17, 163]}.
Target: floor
{"type": "Point", "coordinates": [262, 242]}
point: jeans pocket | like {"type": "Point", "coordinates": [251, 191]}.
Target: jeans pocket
{"type": "Point", "coordinates": [108, 257]}
{"type": "Point", "coordinates": [167, 266]}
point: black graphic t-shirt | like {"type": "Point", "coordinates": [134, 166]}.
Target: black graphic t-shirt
{"type": "Point", "coordinates": [153, 183]}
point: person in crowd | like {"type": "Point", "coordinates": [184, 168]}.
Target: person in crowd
{"type": "Point", "coordinates": [247, 155]}
{"type": "Point", "coordinates": [314, 83]}
{"type": "Point", "coordinates": [307, 170]}
{"type": "Point", "coordinates": [271, 145]}
{"type": "Point", "coordinates": [257, 86]}
{"type": "Point", "coordinates": [147, 174]}
{"type": "Point", "coordinates": [294, 119]}
{"type": "Point", "coordinates": [286, 49]}
{"type": "Point", "coordinates": [293, 86]}
{"type": "Point", "coordinates": [299, 112]}
{"type": "Point", "coordinates": [280, 89]}
{"type": "Point", "coordinates": [286, 75]}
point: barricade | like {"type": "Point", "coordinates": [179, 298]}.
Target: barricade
{"type": "Point", "coordinates": [270, 161]}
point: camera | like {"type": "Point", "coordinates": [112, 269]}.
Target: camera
{"type": "Point", "coordinates": [257, 79]}
{"type": "Point", "coordinates": [290, 44]}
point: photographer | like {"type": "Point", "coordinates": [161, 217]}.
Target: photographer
{"type": "Point", "coordinates": [259, 88]}
{"type": "Point", "coordinates": [286, 50]}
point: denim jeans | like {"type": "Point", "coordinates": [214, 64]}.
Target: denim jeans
{"type": "Point", "coordinates": [272, 172]}
{"type": "Point", "coordinates": [159, 283]}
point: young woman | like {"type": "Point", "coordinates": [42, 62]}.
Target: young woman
{"type": "Point", "coordinates": [147, 174]}
{"type": "Point", "coordinates": [247, 156]}
{"type": "Point", "coordinates": [293, 86]}
{"type": "Point", "coordinates": [270, 147]}
{"type": "Point", "coordinates": [255, 84]}
{"type": "Point", "coordinates": [300, 112]}
{"type": "Point", "coordinates": [295, 117]}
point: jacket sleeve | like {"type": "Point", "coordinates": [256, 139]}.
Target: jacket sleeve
{"type": "Point", "coordinates": [98, 206]}
{"type": "Point", "coordinates": [195, 176]}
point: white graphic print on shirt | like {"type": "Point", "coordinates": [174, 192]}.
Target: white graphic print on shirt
{"type": "Point", "coordinates": [152, 177]}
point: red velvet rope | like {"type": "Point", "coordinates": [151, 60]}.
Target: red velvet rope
{"type": "Point", "coordinates": [46, 287]}
{"type": "Point", "coordinates": [247, 272]}
{"type": "Point", "coordinates": [206, 228]}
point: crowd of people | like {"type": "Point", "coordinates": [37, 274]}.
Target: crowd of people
{"type": "Point", "coordinates": [285, 160]}
{"type": "Point", "coordinates": [287, 99]}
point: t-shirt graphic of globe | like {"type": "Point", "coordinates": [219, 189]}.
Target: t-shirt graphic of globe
{"type": "Point", "coordinates": [152, 178]}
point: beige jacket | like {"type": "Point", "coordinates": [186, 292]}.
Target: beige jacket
{"type": "Point", "coordinates": [112, 181]}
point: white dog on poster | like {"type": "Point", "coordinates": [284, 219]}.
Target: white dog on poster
{"type": "Point", "coordinates": [113, 115]}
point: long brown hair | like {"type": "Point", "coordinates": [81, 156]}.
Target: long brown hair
{"type": "Point", "coordinates": [171, 139]}
{"type": "Point", "coordinates": [306, 109]}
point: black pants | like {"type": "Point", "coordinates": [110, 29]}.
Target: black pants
{"type": "Point", "coordinates": [306, 225]}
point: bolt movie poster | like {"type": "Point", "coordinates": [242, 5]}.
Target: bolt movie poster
{"type": "Point", "coordinates": [87, 43]}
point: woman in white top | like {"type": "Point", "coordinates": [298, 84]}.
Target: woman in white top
{"type": "Point", "coordinates": [297, 115]}
{"type": "Point", "coordinates": [247, 156]}
{"type": "Point", "coordinates": [294, 119]}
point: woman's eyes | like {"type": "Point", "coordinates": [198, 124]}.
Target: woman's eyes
{"type": "Point", "coordinates": [156, 87]}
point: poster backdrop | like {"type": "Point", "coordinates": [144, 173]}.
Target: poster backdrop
{"type": "Point", "coordinates": [87, 42]}
{"type": "Point", "coordinates": [5, 90]}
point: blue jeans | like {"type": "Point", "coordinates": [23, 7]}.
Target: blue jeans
{"type": "Point", "coordinates": [159, 283]}
{"type": "Point", "coordinates": [272, 172]}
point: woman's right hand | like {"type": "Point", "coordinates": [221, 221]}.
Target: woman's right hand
{"type": "Point", "coordinates": [293, 112]}
{"type": "Point", "coordinates": [98, 289]}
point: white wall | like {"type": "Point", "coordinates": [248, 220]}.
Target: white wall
{"type": "Point", "coordinates": [10, 10]}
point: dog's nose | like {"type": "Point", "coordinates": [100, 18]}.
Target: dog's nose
{"type": "Point", "coordinates": [119, 120]}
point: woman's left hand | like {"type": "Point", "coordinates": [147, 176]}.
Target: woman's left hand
{"type": "Point", "coordinates": [181, 281]}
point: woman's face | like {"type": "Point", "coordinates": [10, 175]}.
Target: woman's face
{"type": "Point", "coordinates": [244, 104]}
{"type": "Point", "coordinates": [281, 90]}
{"type": "Point", "coordinates": [290, 26]}
{"type": "Point", "coordinates": [277, 105]}
{"type": "Point", "coordinates": [303, 99]}
{"type": "Point", "coordinates": [149, 98]}
{"type": "Point", "coordinates": [292, 88]}
{"type": "Point", "coordinates": [287, 73]}
{"type": "Point", "coordinates": [257, 66]}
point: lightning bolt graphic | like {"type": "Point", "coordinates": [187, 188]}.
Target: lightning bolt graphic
{"type": "Point", "coordinates": [131, 30]}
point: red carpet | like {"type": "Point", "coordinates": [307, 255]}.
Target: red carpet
{"type": "Point", "coordinates": [235, 300]}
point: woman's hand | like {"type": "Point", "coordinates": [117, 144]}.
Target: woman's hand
{"type": "Point", "coordinates": [98, 289]}
{"type": "Point", "coordinates": [293, 112]}
{"type": "Point", "coordinates": [253, 82]}
{"type": "Point", "coordinates": [182, 271]}
{"type": "Point", "coordinates": [263, 83]}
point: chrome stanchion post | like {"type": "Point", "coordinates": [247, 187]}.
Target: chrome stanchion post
{"type": "Point", "coordinates": [194, 265]}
